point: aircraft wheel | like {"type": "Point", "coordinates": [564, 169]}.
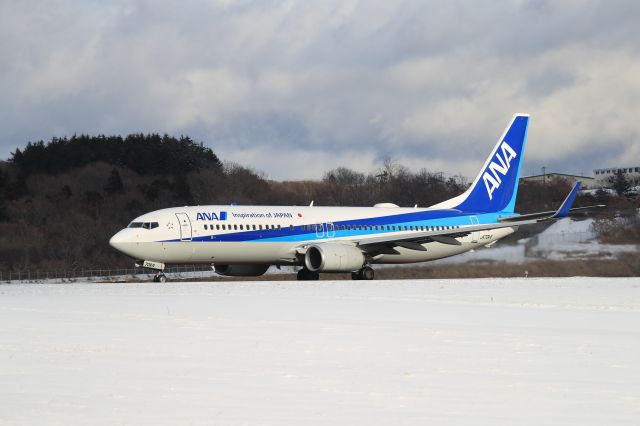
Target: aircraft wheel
{"type": "Point", "coordinates": [355, 275]}
{"type": "Point", "coordinates": [366, 273]}
{"type": "Point", "coordinates": [306, 275]}
{"type": "Point", "coordinates": [162, 278]}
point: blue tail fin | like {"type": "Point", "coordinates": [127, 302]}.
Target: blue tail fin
{"type": "Point", "coordinates": [495, 187]}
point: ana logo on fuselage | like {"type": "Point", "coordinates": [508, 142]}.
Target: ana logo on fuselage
{"type": "Point", "coordinates": [211, 216]}
{"type": "Point", "coordinates": [499, 166]}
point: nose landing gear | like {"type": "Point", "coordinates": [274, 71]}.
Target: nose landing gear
{"type": "Point", "coordinates": [160, 278]}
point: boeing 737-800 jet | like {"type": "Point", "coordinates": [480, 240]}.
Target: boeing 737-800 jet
{"type": "Point", "coordinates": [246, 240]}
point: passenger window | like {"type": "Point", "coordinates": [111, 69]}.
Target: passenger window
{"type": "Point", "coordinates": [291, 227]}
{"type": "Point", "coordinates": [235, 227]}
{"type": "Point", "coordinates": [273, 227]}
{"type": "Point", "coordinates": [205, 227]}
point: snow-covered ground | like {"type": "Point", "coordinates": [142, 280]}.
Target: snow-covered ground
{"type": "Point", "coordinates": [485, 351]}
{"type": "Point", "coordinates": [564, 240]}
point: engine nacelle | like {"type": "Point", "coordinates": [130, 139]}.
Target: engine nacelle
{"type": "Point", "coordinates": [333, 257]}
{"type": "Point", "coordinates": [240, 270]}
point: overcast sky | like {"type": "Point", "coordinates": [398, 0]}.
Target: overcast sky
{"type": "Point", "coordinates": [296, 88]}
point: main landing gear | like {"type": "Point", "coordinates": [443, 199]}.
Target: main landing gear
{"type": "Point", "coordinates": [306, 275]}
{"type": "Point", "coordinates": [366, 273]}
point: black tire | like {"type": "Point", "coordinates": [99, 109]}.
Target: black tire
{"type": "Point", "coordinates": [306, 275]}
{"type": "Point", "coordinates": [162, 278]}
{"type": "Point", "coordinates": [367, 273]}
{"type": "Point", "coordinates": [355, 275]}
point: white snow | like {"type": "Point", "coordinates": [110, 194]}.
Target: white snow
{"type": "Point", "coordinates": [564, 240]}
{"type": "Point", "coordinates": [484, 351]}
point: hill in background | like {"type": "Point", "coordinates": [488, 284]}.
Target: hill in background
{"type": "Point", "coordinates": [61, 200]}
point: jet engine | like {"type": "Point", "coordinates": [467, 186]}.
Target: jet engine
{"type": "Point", "coordinates": [333, 257]}
{"type": "Point", "coordinates": [240, 270]}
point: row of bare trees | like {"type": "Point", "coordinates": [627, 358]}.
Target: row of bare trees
{"type": "Point", "coordinates": [62, 217]}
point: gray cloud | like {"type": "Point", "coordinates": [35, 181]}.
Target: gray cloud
{"type": "Point", "coordinates": [296, 88]}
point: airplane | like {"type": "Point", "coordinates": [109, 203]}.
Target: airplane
{"type": "Point", "coordinates": [247, 240]}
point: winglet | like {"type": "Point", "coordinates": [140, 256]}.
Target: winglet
{"type": "Point", "coordinates": [563, 211]}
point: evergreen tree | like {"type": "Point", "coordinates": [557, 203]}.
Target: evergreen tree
{"type": "Point", "coordinates": [114, 183]}
{"type": "Point", "coordinates": [620, 183]}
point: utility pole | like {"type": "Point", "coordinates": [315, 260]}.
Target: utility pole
{"type": "Point", "coordinates": [544, 175]}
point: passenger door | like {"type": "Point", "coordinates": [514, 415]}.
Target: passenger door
{"type": "Point", "coordinates": [185, 226]}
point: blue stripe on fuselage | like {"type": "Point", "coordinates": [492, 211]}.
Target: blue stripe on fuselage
{"type": "Point", "coordinates": [423, 218]}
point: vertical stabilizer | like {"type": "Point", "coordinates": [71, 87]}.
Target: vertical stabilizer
{"type": "Point", "coordinates": [496, 186]}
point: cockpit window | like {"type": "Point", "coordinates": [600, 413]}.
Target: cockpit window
{"type": "Point", "coordinates": [145, 225]}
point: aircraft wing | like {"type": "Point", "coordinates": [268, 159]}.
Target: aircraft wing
{"type": "Point", "coordinates": [413, 240]}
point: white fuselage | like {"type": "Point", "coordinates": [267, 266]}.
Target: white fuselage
{"type": "Point", "coordinates": [275, 234]}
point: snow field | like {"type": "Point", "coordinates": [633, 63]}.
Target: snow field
{"type": "Point", "coordinates": [483, 351]}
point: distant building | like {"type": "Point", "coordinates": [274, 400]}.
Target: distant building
{"type": "Point", "coordinates": [587, 182]}
{"type": "Point", "coordinates": [603, 175]}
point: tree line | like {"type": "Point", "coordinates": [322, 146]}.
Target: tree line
{"type": "Point", "coordinates": [61, 200]}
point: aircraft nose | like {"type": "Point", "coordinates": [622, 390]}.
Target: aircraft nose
{"type": "Point", "coordinates": [118, 241]}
